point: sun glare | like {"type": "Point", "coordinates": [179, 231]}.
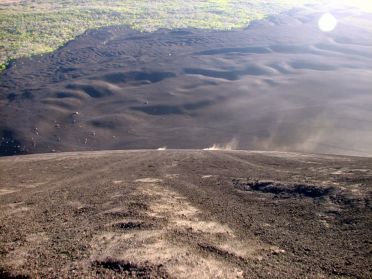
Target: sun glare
{"type": "Point", "coordinates": [327, 22]}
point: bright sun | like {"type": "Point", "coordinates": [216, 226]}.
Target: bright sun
{"type": "Point", "coordinates": [327, 22]}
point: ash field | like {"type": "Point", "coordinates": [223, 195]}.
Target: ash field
{"type": "Point", "coordinates": [280, 84]}
{"type": "Point", "coordinates": [104, 203]}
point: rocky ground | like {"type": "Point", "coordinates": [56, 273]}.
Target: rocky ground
{"type": "Point", "coordinates": [185, 214]}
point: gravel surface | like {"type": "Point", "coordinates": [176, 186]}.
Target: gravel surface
{"type": "Point", "coordinates": [185, 214]}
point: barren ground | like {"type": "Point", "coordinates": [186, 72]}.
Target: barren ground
{"type": "Point", "coordinates": [185, 214]}
{"type": "Point", "coordinates": [280, 84]}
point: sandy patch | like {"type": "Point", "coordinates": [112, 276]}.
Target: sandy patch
{"type": "Point", "coordinates": [117, 181]}
{"type": "Point", "coordinates": [5, 191]}
{"type": "Point", "coordinates": [8, 2]}
{"type": "Point", "coordinates": [148, 180]}
{"type": "Point", "coordinates": [18, 257]}
{"type": "Point", "coordinates": [157, 246]}
{"type": "Point", "coordinates": [75, 204]}
{"type": "Point", "coordinates": [172, 175]}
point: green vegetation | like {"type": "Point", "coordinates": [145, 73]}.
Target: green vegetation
{"type": "Point", "coordinates": [40, 26]}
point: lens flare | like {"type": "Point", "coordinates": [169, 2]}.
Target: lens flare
{"type": "Point", "coordinates": [327, 22]}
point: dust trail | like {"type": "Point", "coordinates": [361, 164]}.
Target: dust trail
{"type": "Point", "coordinates": [231, 145]}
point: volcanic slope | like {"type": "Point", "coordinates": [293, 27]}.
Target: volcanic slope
{"type": "Point", "coordinates": [185, 214]}
{"type": "Point", "coordinates": [280, 84]}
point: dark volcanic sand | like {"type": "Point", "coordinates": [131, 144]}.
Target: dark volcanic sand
{"type": "Point", "coordinates": [280, 84]}
{"type": "Point", "coordinates": [185, 214]}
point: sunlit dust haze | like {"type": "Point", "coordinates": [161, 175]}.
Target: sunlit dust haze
{"type": "Point", "coordinates": [231, 145]}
